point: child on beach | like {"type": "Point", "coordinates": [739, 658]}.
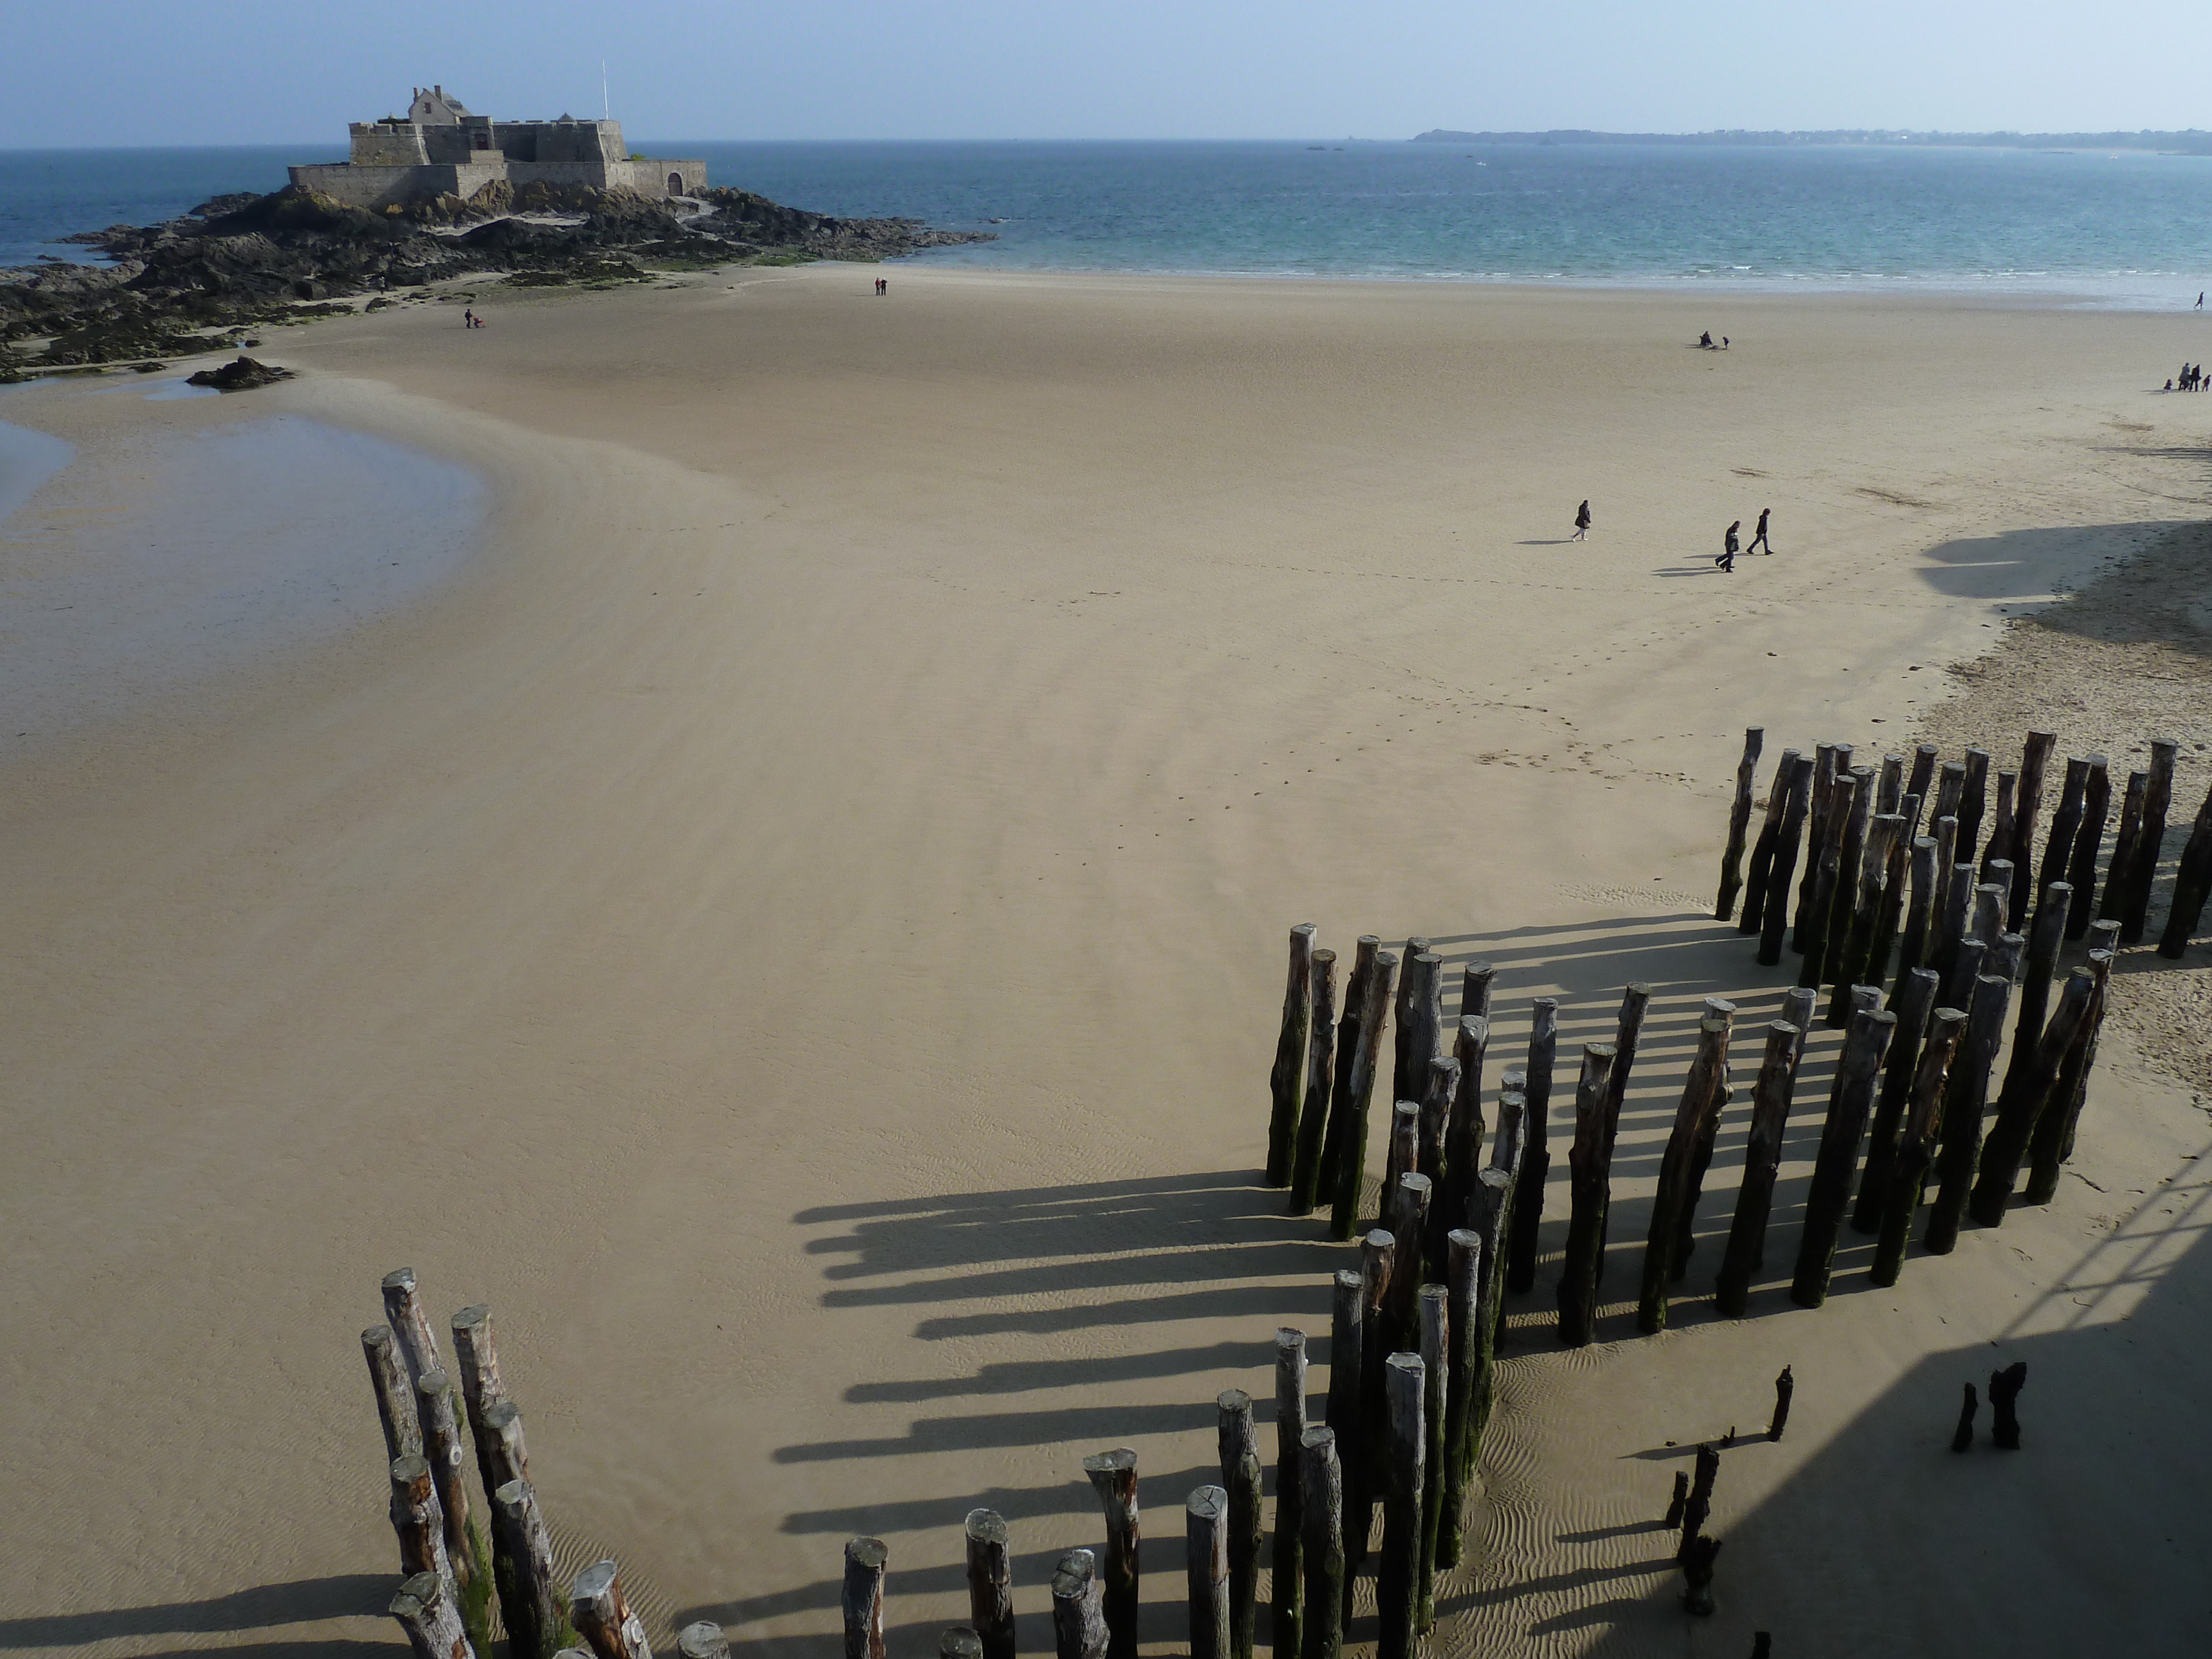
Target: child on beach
{"type": "Point", "coordinates": [1582, 523]}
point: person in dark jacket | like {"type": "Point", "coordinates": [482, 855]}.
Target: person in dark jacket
{"type": "Point", "coordinates": [1582, 522]}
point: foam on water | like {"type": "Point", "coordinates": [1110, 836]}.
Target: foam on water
{"type": "Point", "coordinates": [180, 555]}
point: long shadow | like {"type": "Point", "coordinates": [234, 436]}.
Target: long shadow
{"type": "Point", "coordinates": [300, 1603]}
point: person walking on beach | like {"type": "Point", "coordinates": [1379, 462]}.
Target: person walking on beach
{"type": "Point", "coordinates": [468, 318]}
{"type": "Point", "coordinates": [1758, 541]}
{"type": "Point", "coordinates": [1582, 523]}
{"type": "Point", "coordinates": [1726, 560]}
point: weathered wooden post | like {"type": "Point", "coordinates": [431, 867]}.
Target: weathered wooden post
{"type": "Point", "coordinates": [1477, 982]}
{"type": "Point", "coordinates": [483, 1386]}
{"type": "Point", "coordinates": [1762, 1161]}
{"type": "Point", "coordinates": [1321, 1501]}
{"type": "Point", "coordinates": [1286, 1573]}
{"type": "Point", "coordinates": [1398, 1584]}
{"type": "Point", "coordinates": [1908, 1167]}
{"type": "Point", "coordinates": [1848, 965]}
{"type": "Point", "coordinates": [1291, 1044]}
{"type": "Point", "coordinates": [1738, 825]}
{"type": "Point", "coordinates": [1785, 1388]}
{"type": "Point", "coordinates": [1635, 1001]}
{"type": "Point", "coordinates": [1763, 849]}
{"type": "Point", "coordinates": [1701, 1153]}
{"type": "Point", "coordinates": [1891, 904]}
{"type": "Point", "coordinates": [1850, 861]}
{"type": "Point", "coordinates": [2026, 1096]}
{"type": "Point", "coordinates": [1998, 848]}
{"type": "Point", "coordinates": [1238, 1443]}
{"type": "Point", "coordinates": [1848, 1103]}
{"type": "Point", "coordinates": [990, 1583]}
{"type": "Point", "coordinates": [2027, 802]}
{"type": "Point", "coordinates": [421, 1525]}
{"type": "Point", "coordinates": [1966, 1096]}
{"type": "Point", "coordinates": [1079, 1626]}
{"type": "Point", "coordinates": [2007, 956]}
{"type": "Point", "coordinates": [1922, 775]}
{"type": "Point", "coordinates": [448, 1460]}
{"type": "Point", "coordinates": [1915, 1001]}
{"type": "Point", "coordinates": [1365, 1480]}
{"type": "Point", "coordinates": [1700, 1092]}
{"type": "Point", "coordinates": [1813, 935]}
{"type": "Point", "coordinates": [2124, 845]}
{"type": "Point", "coordinates": [1113, 1477]}
{"type": "Point", "coordinates": [1464, 1282]}
{"type": "Point", "coordinates": [1434, 1319]}
{"type": "Point", "coordinates": [1421, 1017]}
{"type": "Point", "coordinates": [1321, 1062]}
{"type": "Point", "coordinates": [862, 1598]}
{"type": "Point", "coordinates": [1957, 917]}
{"type": "Point", "coordinates": [1974, 794]}
{"type": "Point", "coordinates": [960, 1642]}
{"type": "Point", "coordinates": [426, 1612]}
{"type": "Point", "coordinates": [703, 1639]}
{"type": "Point", "coordinates": [1490, 1210]}
{"type": "Point", "coordinates": [2080, 872]}
{"type": "Point", "coordinates": [2046, 938]}
{"type": "Point", "coordinates": [2004, 1390]}
{"type": "Point", "coordinates": [1347, 1050]}
{"type": "Point", "coordinates": [2192, 884]}
{"type": "Point", "coordinates": [1536, 1160]}
{"type": "Point", "coordinates": [1409, 1213]}
{"type": "Point", "coordinates": [1889, 788]}
{"type": "Point", "coordinates": [1351, 1165]}
{"type": "Point", "coordinates": [1697, 1559]}
{"type": "Point", "coordinates": [2065, 826]}
{"type": "Point", "coordinates": [1700, 1508]}
{"type": "Point", "coordinates": [1462, 1136]}
{"type": "Point", "coordinates": [1942, 933]}
{"type": "Point", "coordinates": [1402, 1150]}
{"type": "Point", "coordinates": [1589, 1184]}
{"type": "Point", "coordinates": [1793, 783]}
{"type": "Point", "coordinates": [1830, 762]}
{"type": "Point", "coordinates": [2150, 840]}
{"type": "Point", "coordinates": [1914, 949]}
{"type": "Point", "coordinates": [1966, 968]}
{"type": "Point", "coordinates": [395, 1407]}
{"type": "Point", "coordinates": [1205, 1564]}
{"type": "Point", "coordinates": [1344, 1411]}
{"type": "Point", "coordinates": [1437, 1105]}
{"type": "Point", "coordinates": [2053, 1142]}
{"type": "Point", "coordinates": [536, 1628]}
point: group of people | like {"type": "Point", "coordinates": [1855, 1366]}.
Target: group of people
{"type": "Point", "coordinates": [883, 285]}
{"type": "Point", "coordinates": [470, 319]}
{"type": "Point", "coordinates": [2192, 378]}
{"type": "Point", "coordinates": [1705, 342]}
{"type": "Point", "coordinates": [1730, 541]}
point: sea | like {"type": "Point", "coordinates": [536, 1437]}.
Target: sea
{"type": "Point", "coordinates": [2110, 228]}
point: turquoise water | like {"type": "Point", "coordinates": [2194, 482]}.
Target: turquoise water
{"type": "Point", "coordinates": [2129, 228]}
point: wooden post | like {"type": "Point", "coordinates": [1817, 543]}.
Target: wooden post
{"type": "Point", "coordinates": [1079, 1627]}
{"type": "Point", "coordinates": [1634, 1001]}
{"type": "Point", "coordinates": [1966, 1096]}
{"type": "Point", "coordinates": [448, 1460]}
{"type": "Point", "coordinates": [1463, 1134]}
{"type": "Point", "coordinates": [1989, 909]}
{"type": "Point", "coordinates": [1959, 988]}
{"type": "Point", "coordinates": [1848, 1103]}
{"type": "Point", "coordinates": [1321, 1500]}
{"type": "Point", "coordinates": [1891, 903]}
{"type": "Point", "coordinates": [1813, 935]}
{"type": "Point", "coordinates": [1785, 1388]}
{"type": "Point", "coordinates": [1850, 860]}
{"type": "Point", "coordinates": [395, 1410]}
{"type": "Point", "coordinates": [501, 1443]}
{"type": "Point", "coordinates": [2004, 1389]}
{"type": "Point", "coordinates": [1940, 933]}
{"type": "Point", "coordinates": [1365, 1479]}
{"type": "Point", "coordinates": [1433, 1317]}
{"type": "Point", "coordinates": [2053, 1142]}
{"type": "Point", "coordinates": [1536, 1160]}
{"type": "Point", "coordinates": [1699, 1093]}
{"type": "Point", "coordinates": [1914, 949]}
{"type": "Point", "coordinates": [421, 1525]}
{"type": "Point", "coordinates": [862, 1600]}
{"type": "Point", "coordinates": [1398, 1586]}
{"type": "Point", "coordinates": [1205, 1564]}
{"type": "Point", "coordinates": [703, 1639]}
{"type": "Point", "coordinates": [1290, 1043]}
{"type": "Point", "coordinates": [528, 1605]}
{"type": "Point", "coordinates": [2047, 939]}
{"type": "Point", "coordinates": [1238, 1443]}
{"type": "Point", "coordinates": [2150, 842]}
{"type": "Point", "coordinates": [1848, 965]}
{"type": "Point", "coordinates": [1829, 761]}
{"type": "Point", "coordinates": [1908, 1168]}
{"type": "Point", "coordinates": [1589, 1184]}
{"type": "Point", "coordinates": [2065, 827]}
{"type": "Point", "coordinates": [1889, 789]}
{"type": "Point", "coordinates": [2028, 1095]}
{"type": "Point", "coordinates": [1692, 1192]}
{"type": "Point", "coordinates": [1973, 794]}
{"type": "Point", "coordinates": [1113, 1477]}
{"type": "Point", "coordinates": [1344, 1412]}
{"type": "Point", "coordinates": [1998, 848]}
{"type": "Point", "coordinates": [1352, 1164]}
{"type": "Point", "coordinates": [1958, 916]}
{"type": "Point", "coordinates": [2027, 804]}
{"type": "Point", "coordinates": [1950, 789]}
{"type": "Point", "coordinates": [1491, 1213]}
{"type": "Point", "coordinates": [1700, 1508]}
{"type": "Point", "coordinates": [1437, 1105]}
{"type": "Point", "coordinates": [1762, 1161]}
{"type": "Point", "coordinates": [2192, 884]}
{"type": "Point", "coordinates": [2007, 956]}
{"type": "Point", "coordinates": [1339, 1131]}
{"type": "Point", "coordinates": [1286, 1570]}
{"type": "Point", "coordinates": [2080, 872]}
{"type": "Point", "coordinates": [1420, 1005]}
{"type": "Point", "coordinates": [1775, 919]}
{"type": "Point", "coordinates": [1476, 983]}
{"type": "Point", "coordinates": [960, 1642]}
{"type": "Point", "coordinates": [2124, 845]}
{"type": "Point", "coordinates": [1738, 825]}
{"type": "Point", "coordinates": [402, 1311]}
{"type": "Point", "coordinates": [1464, 1282]}
{"type": "Point", "coordinates": [1923, 774]}
{"type": "Point", "coordinates": [482, 1385]}
{"type": "Point", "coordinates": [1915, 1001]}
{"type": "Point", "coordinates": [990, 1583]}
{"type": "Point", "coordinates": [1321, 1060]}
{"type": "Point", "coordinates": [1402, 1152]}
{"type": "Point", "coordinates": [1763, 849]}
{"type": "Point", "coordinates": [1409, 1211]}
{"type": "Point", "coordinates": [428, 1617]}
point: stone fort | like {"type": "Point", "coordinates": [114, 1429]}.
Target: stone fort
{"type": "Point", "coordinates": [442, 150]}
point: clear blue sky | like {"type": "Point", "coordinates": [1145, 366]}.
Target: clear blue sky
{"type": "Point", "coordinates": [95, 72]}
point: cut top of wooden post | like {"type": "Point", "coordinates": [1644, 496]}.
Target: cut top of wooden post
{"type": "Point", "coordinates": [478, 1356]}
{"type": "Point", "coordinates": [702, 1640]}
{"type": "Point", "coordinates": [402, 1311]}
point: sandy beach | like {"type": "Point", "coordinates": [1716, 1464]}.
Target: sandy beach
{"type": "Point", "coordinates": [794, 922]}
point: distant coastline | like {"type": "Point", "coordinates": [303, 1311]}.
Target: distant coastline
{"type": "Point", "coordinates": [2193, 141]}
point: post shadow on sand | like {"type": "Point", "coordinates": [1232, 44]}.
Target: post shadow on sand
{"type": "Point", "coordinates": [303, 1602]}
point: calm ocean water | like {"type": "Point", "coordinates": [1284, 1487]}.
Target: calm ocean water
{"type": "Point", "coordinates": [2129, 229]}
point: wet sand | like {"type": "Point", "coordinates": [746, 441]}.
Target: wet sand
{"type": "Point", "coordinates": [795, 923]}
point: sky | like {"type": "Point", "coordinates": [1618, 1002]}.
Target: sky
{"type": "Point", "coordinates": [127, 72]}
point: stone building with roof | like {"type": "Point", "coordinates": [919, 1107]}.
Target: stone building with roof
{"type": "Point", "coordinates": [441, 149]}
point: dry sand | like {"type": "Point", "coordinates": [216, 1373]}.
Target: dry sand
{"type": "Point", "coordinates": [796, 927]}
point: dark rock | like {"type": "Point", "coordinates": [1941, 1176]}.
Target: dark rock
{"type": "Point", "coordinates": [241, 375]}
